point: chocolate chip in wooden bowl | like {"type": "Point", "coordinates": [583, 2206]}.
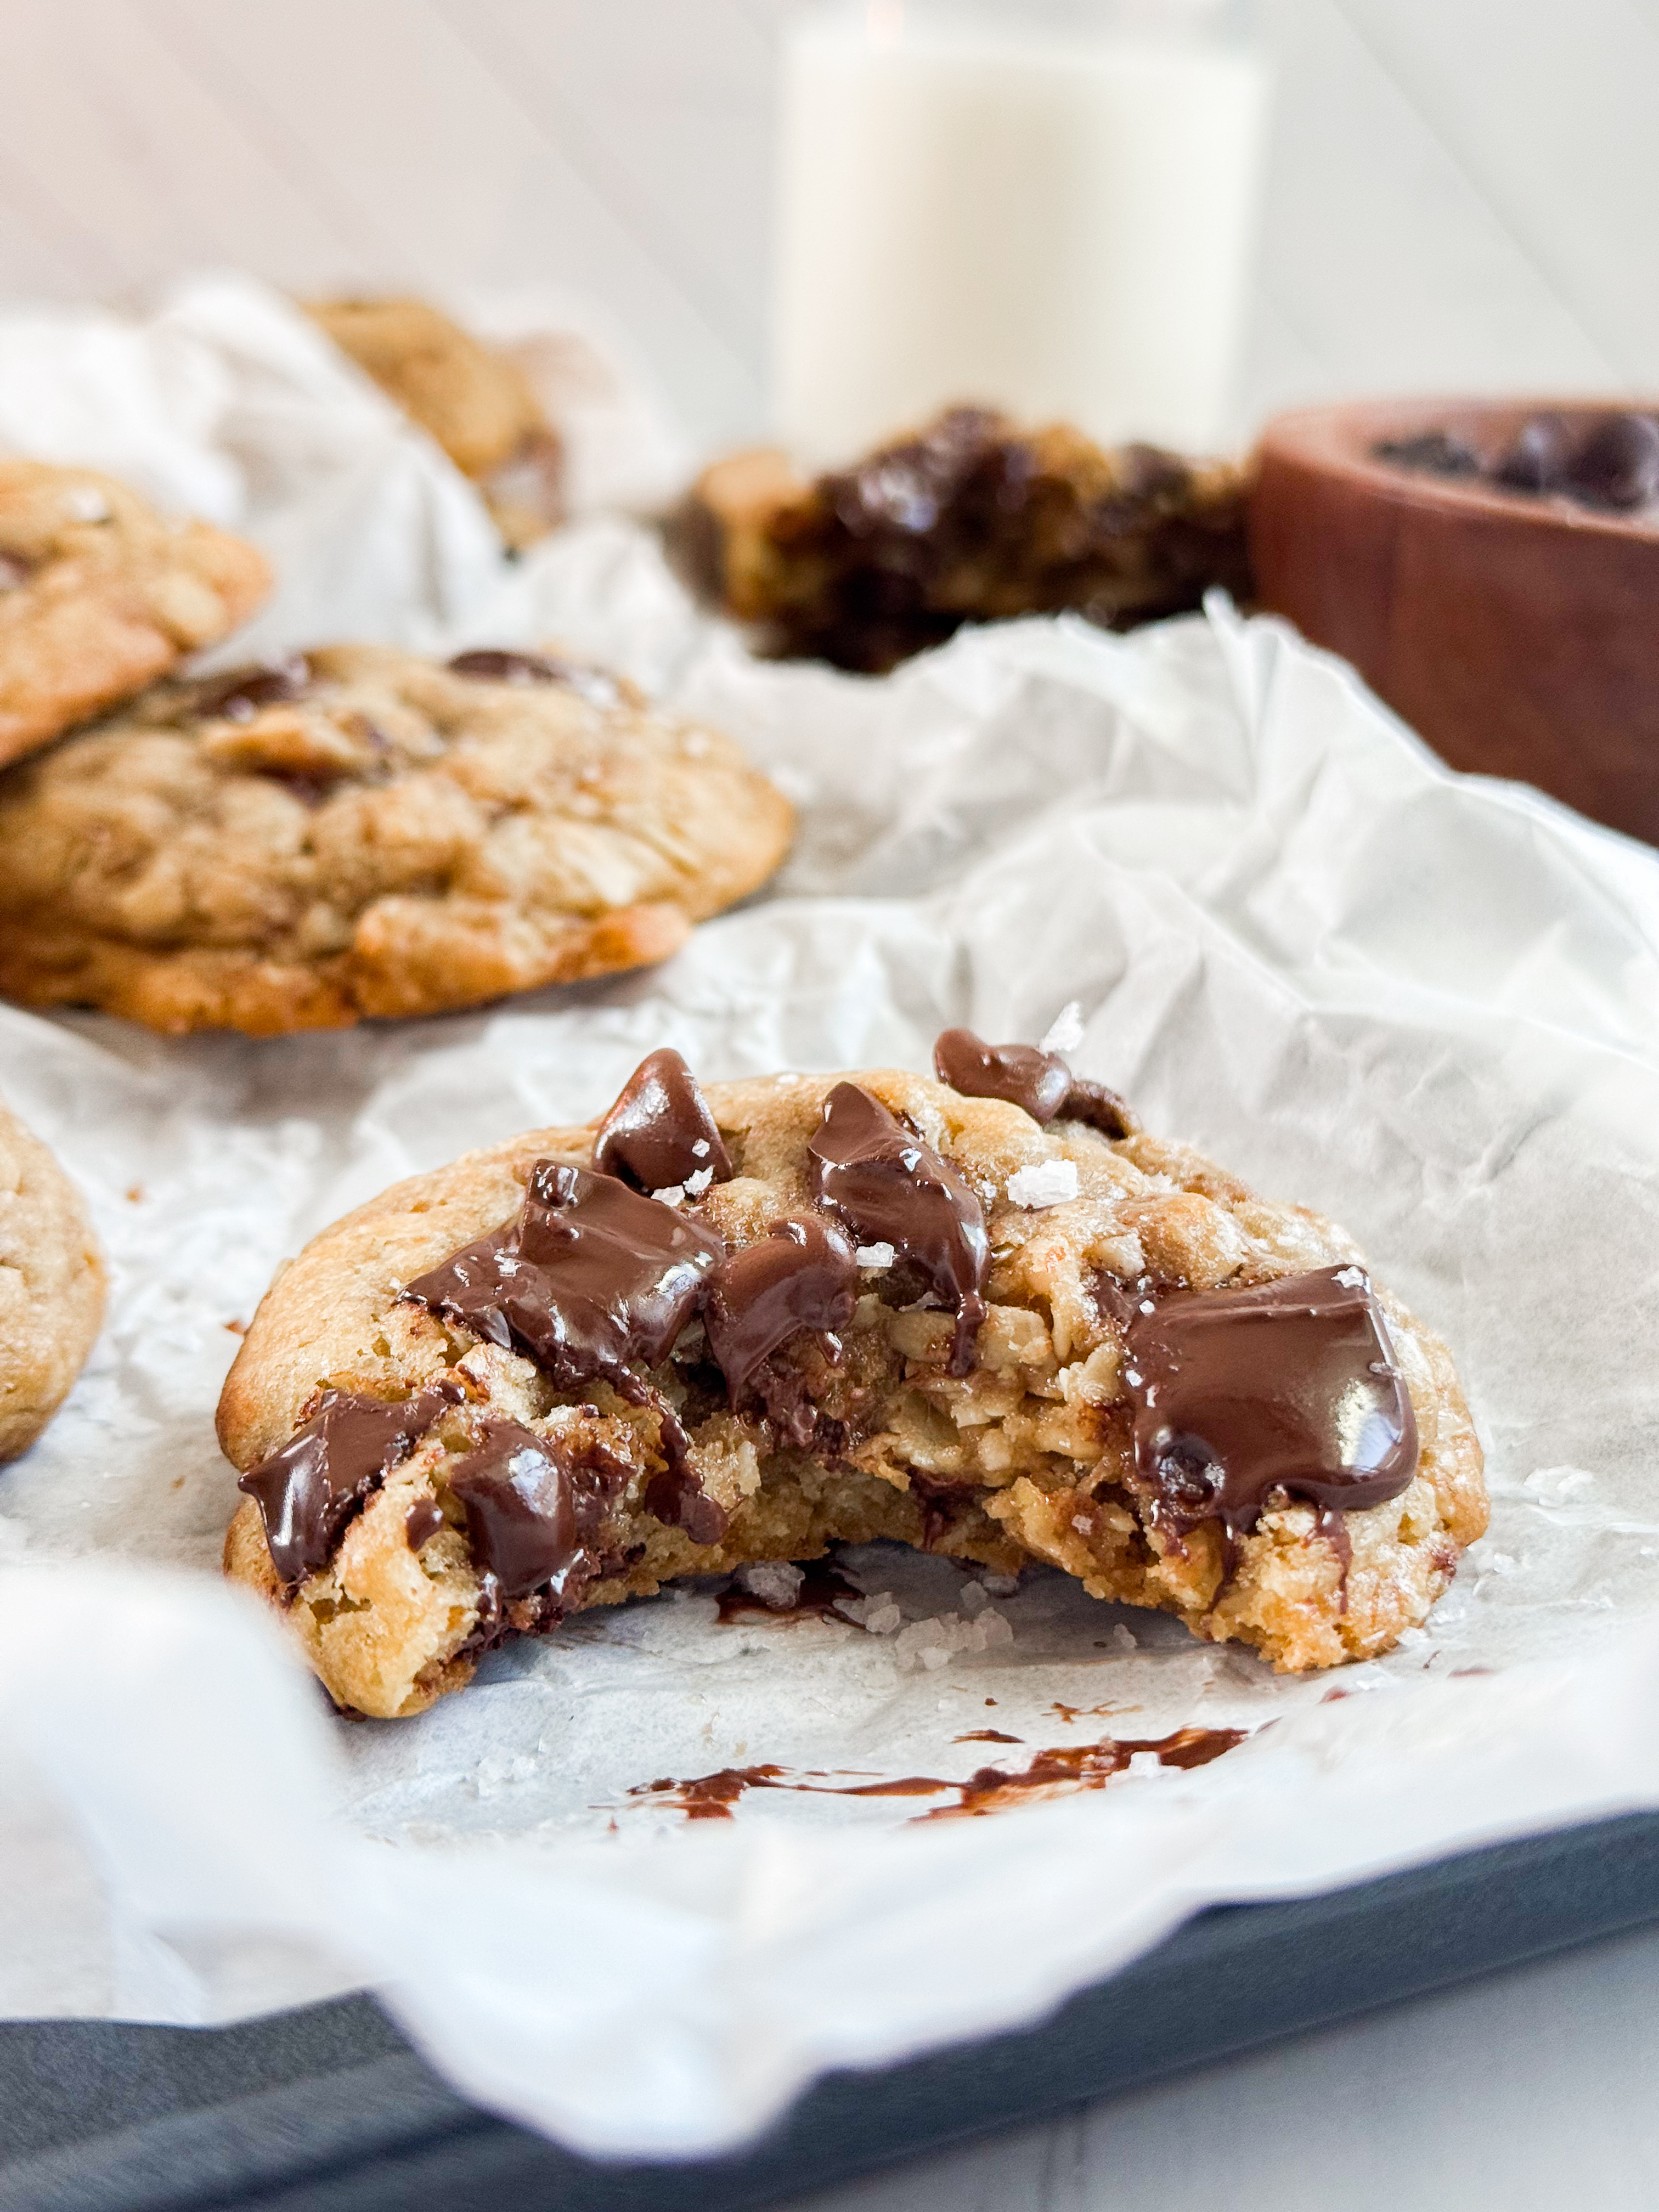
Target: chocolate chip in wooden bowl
{"type": "Point", "coordinates": [1437, 452]}
{"type": "Point", "coordinates": [1617, 463]}
{"type": "Point", "coordinates": [1535, 459]}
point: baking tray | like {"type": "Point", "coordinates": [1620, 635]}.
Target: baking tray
{"type": "Point", "coordinates": [329, 2110]}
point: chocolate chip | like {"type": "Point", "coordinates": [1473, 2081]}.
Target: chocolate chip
{"type": "Point", "coordinates": [495, 664]}
{"type": "Point", "coordinates": [1617, 465]}
{"type": "Point", "coordinates": [310, 1489]}
{"type": "Point", "coordinates": [1536, 456]}
{"type": "Point", "coordinates": [1037, 1081]}
{"type": "Point", "coordinates": [239, 696]}
{"type": "Point", "coordinates": [801, 1275]}
{"type": "Point", "coordinates": [587, 1277]}
{"type": "Point", "coordinates": [422, 1523]}
{"type": "Point", "coordinates": [660, 1134]}
{"type": "Point", "coordinates": [14, 571]}
{"type": "Point", "coordinates": [888, 1187]}
{"type": "Point", "coordinates": [1288, 1387]}
{"type": "Point", "coordinates": [1436, 453]}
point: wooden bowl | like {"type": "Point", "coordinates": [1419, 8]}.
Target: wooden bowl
{"type": "Point", "coordinates": [1518, 633]}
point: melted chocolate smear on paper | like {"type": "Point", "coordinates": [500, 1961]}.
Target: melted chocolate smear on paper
{"type": "Point", "coordinates": [536, 1508]}
{"type": "Point", "coordinates": [309, 1491]}
{"type": "Point", "coordinates": [888, 1187]}
{"type": "Point", "coordinates": [1288, 1390]}
{"type": "Point", "coordinates": [801, 1275]}
{"type": "Point", "coordinates": [239, 696]}
{"type": "Point", "coordinates": [1061, 1772]}
{"type": "Point", "coordinates": [1038, 1082]}
{"type": "Point", "coordinates": [589, 1276]}
{"type": "Point", "coordinates": [824, 1587]}
{"type": "Point", "coordinates": [660, 1132]}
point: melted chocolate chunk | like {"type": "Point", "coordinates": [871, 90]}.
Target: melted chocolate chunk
{"type": "Point", "coordinates": [800, 1275]}
{"type": "Point", "coordinates": [14, 571]}
{"type": "Point", "coordinates": [1100, 1108]}
{"type": "Point", "coordinates": [888, 1187]}
{"type": "Point", "coordinates": [589, 1276]}
{"type": "Point", "coordinates": [422, 1523]}
{"type": "Point", "coordinates": [1291, 1387]}
{"type": "Point", "coordinates": [239, 696]}
{"type": "Point", "coordinates": [1040, 1082]}
{"type": "Point", "coordinates": [1037, 1081]}
{"type": "Point", "coordinates": [319, 1481]}
{"type": "Point", "coordinates": [660, 1131]}
{"type": "Point", "coordinates": [534, 1509]}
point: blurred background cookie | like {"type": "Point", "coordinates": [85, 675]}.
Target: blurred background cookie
{"type": "Point", "coordinates": [100, 595]}
{"type": "Point", "coordinates": [52, 1286]}
{"type": "Point", "coordinates": [362, 832]}
{"type": "Point", "coordinates": [474, 399]}
{"type": "Point", "coordinates": [972, 518]}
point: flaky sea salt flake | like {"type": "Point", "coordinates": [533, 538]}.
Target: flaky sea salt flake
{"type": "Point", "coordinates": [1065, 1032]}
{"type": "Point", "coordinates": [1050, 1182]}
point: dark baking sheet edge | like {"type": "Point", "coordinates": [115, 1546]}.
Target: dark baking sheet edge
{"type": "Point", "coordinates": [328, 2110]}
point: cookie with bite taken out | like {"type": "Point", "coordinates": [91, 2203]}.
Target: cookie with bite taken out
{"type": "Point", "coordinates": [986, 1314]}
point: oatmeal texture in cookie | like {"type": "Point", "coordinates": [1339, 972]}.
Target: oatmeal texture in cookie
{"type": "Point", "coordinates": [100, 596]}
{"type": "Point", "coordinates": [859, 1307]}
{"type": "Point", "coordinates": [473, 399]}
{"type": "Point", "coordinates": [365, 833]}
{"type": "Point", "coordinates": [52, 1286]}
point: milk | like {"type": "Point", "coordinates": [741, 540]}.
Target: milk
{"type": "Point", "coordinates": [1060, 221]}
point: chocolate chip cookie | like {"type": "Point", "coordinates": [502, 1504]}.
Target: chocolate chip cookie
{"type": "Point", "coordinates": [971, 519]}
{"type": "Point", "coordinates": [100, 596]}
{"type": "Point", "coordinates": [986, 1314]}
{"type": "Point", "coordinates": [365, 833]}
{"type": "Point", "coordinates": [472, 398]}
{"type": "Point", "coordinates": [52, 1286]}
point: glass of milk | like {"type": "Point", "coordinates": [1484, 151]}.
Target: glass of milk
{"type": "Point", "coordinates": [1047, 205]}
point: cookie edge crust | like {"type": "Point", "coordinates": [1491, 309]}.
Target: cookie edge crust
{"type": "Point", "coordinates": [69, 1314]}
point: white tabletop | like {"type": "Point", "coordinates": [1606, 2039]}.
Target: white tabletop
{"type": "Point", "coordinates": [1528, 2091]}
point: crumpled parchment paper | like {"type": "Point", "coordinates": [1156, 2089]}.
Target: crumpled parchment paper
{"type": "Point", "coordinates": [1425, 1004]}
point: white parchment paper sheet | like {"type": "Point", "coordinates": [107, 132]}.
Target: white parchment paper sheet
{"type": "Point", "coordinates": [1426, 1004]}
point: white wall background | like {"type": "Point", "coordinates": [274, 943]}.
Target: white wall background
{"type": "Point", "coordinates": [1464, 192]}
